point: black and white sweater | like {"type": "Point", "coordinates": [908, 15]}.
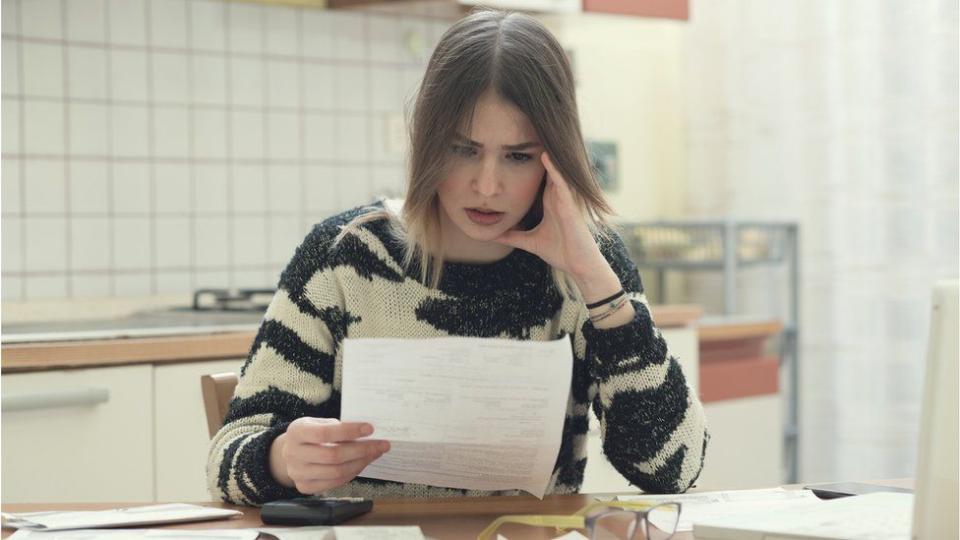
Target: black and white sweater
{"type": "Point", "coordinates": [653, 426]}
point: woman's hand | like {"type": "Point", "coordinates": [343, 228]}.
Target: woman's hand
{"type": "Point", "coordinates": [318, 454]}
{"type": "Point", "coordinates": [564, 241]}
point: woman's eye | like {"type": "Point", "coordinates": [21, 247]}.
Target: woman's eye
{"type": "Point", "coordinates": [520, 157]}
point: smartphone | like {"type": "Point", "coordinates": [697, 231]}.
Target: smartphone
{"type": "Point", "coordinates": [846, 489]}
{"type": "Point", "coordinates": [314, 510]}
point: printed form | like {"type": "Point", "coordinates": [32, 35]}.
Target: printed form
{"type": "Point", "coordinates": [469, 413]}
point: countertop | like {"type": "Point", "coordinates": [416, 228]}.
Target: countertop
{"type": "Point", "coordinates": [41, 336]}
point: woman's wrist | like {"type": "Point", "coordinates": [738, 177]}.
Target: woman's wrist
{"type": "Point", "coordinates": [278, 465]}
{"type": "Point", "coordinates": [598, 283]}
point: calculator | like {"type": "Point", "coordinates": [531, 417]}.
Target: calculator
{"type": "Point", "coordinates": [314, 510]}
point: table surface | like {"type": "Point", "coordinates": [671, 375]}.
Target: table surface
{"type": "Point", "coordinates": [449, 518]}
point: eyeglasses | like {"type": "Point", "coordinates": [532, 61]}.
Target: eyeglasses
{"type": "Point", "coordinates": [612, 520]}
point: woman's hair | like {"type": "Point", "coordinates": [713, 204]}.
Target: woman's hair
{"type": "Point", "coordinates": [516, 57]}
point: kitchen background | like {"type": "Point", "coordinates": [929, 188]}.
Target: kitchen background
{"type": "Point", "coordinates": [154, 147]}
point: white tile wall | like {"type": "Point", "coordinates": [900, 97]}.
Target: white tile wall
{"type": "Point", "coordinates": [167, 145]}
{"type": "Point", "coordinates": [86, 20]}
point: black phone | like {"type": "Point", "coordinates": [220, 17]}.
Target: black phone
{"type": "Point", "coordinates": [314, 510]}
{"type": "Point", "coordinates": [846, 489]}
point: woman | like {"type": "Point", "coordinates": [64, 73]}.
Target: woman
{"type": "Point", "coordinates": [502, 234]}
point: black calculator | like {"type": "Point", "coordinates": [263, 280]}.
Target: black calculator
{"type": "Point", "coordinates": [314, 510]}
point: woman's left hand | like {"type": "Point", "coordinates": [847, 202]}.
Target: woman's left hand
{"type": "Point", "coordinates": [562, 238]}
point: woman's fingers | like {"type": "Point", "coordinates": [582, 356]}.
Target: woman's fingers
{"type": "Point", "coordinates": [326, 477]}
{"type": "Point", "coordinates": [328, 430]}
{"type": "Point", "coordinates": [332, 471]}
{"type": "Point", "coordinates": [340, 453]}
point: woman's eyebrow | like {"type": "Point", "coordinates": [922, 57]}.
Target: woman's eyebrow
{"type": "Point", "coordinates": [521, 146]}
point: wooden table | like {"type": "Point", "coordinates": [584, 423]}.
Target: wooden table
{"type": "Point", "coordinates": [442, 519]}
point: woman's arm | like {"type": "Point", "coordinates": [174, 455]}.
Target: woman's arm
{"type": "Point", "coordinates": [653, 426]}
{"type": "Point", "coordinates": [280, 437]}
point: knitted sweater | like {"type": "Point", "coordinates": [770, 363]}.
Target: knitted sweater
{"type": "Point", "coordinates": [653, 427]}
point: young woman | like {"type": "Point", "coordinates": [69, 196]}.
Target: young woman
{"type": "Point", "coordinates": [502, 233]}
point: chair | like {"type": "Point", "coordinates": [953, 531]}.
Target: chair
{"type": "Point", "coordinates": [217, 393]}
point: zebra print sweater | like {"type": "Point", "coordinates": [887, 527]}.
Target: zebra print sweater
{"type": "Point", "coordinates": [653, 427]}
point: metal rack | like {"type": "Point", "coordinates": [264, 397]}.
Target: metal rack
{"type": "Point", "coordinates": [728, 246]}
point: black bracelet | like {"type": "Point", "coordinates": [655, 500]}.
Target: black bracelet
{"type": "Point", "coordinates": [607, 300]}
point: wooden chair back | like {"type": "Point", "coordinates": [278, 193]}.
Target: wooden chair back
{"type": "Point", "coordinates": [217, 393]}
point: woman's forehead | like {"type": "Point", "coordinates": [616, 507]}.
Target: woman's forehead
{"type": "Point", "coordinates": [498, 122]}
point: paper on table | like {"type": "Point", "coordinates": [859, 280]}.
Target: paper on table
{"type": "Point", "coordinates": [295, 533]}
{"type": "Point", "coordinates": [697, 506]}
{"type": "Point", "coordinates": [875, 516]}
{"type": "Point", "coordinates": [118, 517]}
{"type": "Point", "coordinates": [459, 412]}
{"type": "Point", "coordinates": [136, 534]}
{"type": "Point", "coordinates": [372, 532]}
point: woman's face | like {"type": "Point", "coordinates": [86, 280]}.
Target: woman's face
{"type": "Point", "coordinates": [493, 179]}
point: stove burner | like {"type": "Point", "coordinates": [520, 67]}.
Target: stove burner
{"type": "Point", "coordinates": [232, 299]}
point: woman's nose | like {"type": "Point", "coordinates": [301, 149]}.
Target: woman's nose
{"type": "Point", "coordinates": [486, 182]}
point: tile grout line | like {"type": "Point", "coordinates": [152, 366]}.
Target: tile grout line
{"type": "Point", "coordinates": [267, 147]}
{"type": "Point", "coordinates": [228, 118]}
{"type": "Point", "coordinates": [302, 218]}
{"type": "Point", "coordinates": [152, 229]}
{"type": "Point", "coordinates": [111, 177]}
{"type": "Point", "coordinates": [22, 129]}
{"type": "Point", "coordinates": [191, 150]}
{"type": "Point", "coordinates": [67, 222]}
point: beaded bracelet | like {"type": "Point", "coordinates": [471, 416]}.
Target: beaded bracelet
{"type": "Point", "coordinates": [614, 307]}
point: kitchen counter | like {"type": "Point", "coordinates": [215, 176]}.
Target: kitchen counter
{"type": "Point", "coordinates": [162, 333]}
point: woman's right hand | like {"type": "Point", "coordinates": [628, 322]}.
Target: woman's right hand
{"type": "Point", "coordinates": [318, 454]}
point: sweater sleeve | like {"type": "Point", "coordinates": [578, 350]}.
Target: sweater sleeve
{"type": "Point", "coordinates": [289, 373]}
{"type": "Point", "coordinates": [653, 426]}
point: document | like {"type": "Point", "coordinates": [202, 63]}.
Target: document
{"type": "Point", "coordinates": [137, 534]}
{"type": "Point", "coordinates": [361, 532]}
{"type": "Point", "coordinates": [460, 412]}
{"type": "Point", "coordinates": [875, 516]}
{"type": "Point", "coordinates": [119, 517]}
{"type": "Point", "coordinates": [706, 505]}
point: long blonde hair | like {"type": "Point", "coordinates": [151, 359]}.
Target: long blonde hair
{"type": "Point", "coordinates": [517, 57]}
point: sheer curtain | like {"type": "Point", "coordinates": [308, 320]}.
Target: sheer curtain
{"type": "Point", "coordinates": [843, 117]}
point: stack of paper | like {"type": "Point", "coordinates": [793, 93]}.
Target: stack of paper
{"type": "Point", "coordinates": [298, 533]}
{"type": "Point", "coordinates": [119, 517]}
{"type": "Point", "coordinates": [696, 507]}
{"type": "Point", "coordinates": [876, 516]}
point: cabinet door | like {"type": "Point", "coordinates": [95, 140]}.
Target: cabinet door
{"type": "Point", "coordinates": [746, 443]}
{"type": "Point", "coordinates": [78, 436]}
{"type": "Point", "coordinates": [600, 476]}
{"type": "Point", "coordinates": [181, 429]}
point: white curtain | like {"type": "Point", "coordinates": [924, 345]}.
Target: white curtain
{"type": "Point", "coordinates": [843, 117]}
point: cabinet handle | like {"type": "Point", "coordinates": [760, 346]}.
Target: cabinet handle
{"type": "Point", "coordinates": [48, 400]}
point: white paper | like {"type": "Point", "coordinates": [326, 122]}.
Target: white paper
{"type": "Point", "coordinates": [373, 532]}
{"type": "Point", "coordinates": [118, 517]}
{"type": "Point", "coordinates": [459, 412]}
{"type": "Point", "coordinates": [706, 505]}
{"type": "Point", "coordinates": [362, 532]}
{"type": "Point", "coordinates": [136, 534]}
{"type": "Point", "coordinates": [875, 516]}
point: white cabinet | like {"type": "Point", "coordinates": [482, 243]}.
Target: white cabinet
{"type": "Point", "coordinates": [600, 476]}
{"type": "Point", "coordinates": [745, 443]}
{"type": "Point", "coordinates": [181, 429]}
{"type": "Point", "coordinates": [78, 436]}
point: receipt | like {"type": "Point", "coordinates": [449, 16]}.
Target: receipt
{"type": "Point", "coordinates": [467, 413]}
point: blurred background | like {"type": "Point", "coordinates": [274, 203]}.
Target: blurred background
{"type": "Point", "coordinates": [788, 169]}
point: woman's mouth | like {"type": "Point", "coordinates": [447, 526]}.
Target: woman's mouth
{"type": "Point", "coordinates": [482, 216]}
